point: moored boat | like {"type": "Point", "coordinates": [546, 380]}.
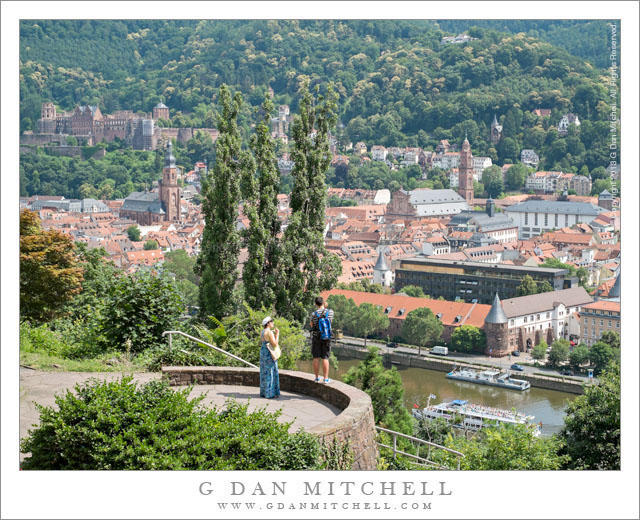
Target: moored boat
{"type": "Point", "coordinates": [474, 416]}
{"type": "Point", "coordinates": [489, 377]}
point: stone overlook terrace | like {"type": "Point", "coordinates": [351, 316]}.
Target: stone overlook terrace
{"type": "Point", "coordinates": [333, 411]}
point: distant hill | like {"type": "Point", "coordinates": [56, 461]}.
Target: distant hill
{"type": "Point", "coordinates": [568, 34]}
{"type": "Point", "coordinates": [398, 83]}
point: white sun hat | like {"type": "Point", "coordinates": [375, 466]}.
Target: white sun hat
{"type": "Point", "coordinates": [266, 320]}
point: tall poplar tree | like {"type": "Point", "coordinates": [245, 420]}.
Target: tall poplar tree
{"type": "Point", "coordinates": [218, 259]}
{"type": "Point", "coordinates": [261, 208]}
{"type": "Point", "coordinates": [307, 267]}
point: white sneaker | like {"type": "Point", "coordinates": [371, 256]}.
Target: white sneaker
{"type": "Point", "coordinates": [316, 380]}
{"type": "Point", "coordinates": [327, 381]}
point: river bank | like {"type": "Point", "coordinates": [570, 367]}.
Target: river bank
{"type": "Point", "coordinates": [441, 364]}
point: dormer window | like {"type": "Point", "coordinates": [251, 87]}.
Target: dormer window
{"type": "Point", "coordinates": [401, 312]}
{"type": "Point", "coordinates": [387, 310]}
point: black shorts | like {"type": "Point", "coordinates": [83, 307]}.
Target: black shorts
{"type": "Point", "coordinates": [320, 348]}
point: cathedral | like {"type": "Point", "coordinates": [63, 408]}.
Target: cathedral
{"type": "Point", "coordinates": [149, 208]}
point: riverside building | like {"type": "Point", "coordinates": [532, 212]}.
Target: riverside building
{"type": "Point", "coordinates": [472, 282]}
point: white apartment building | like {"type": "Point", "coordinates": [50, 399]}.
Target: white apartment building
{"type": "Point", "coordinates": [535, 217]}
{"type": "Point", "coordinates": [544, 316]}
{"type": "Point", "coordinates": [446, 161]}
{"type": "Point", "coordinates": [567, 119]}
{"type": "Point", "coordinates": [379, 153]}
{"type": "Point", "coordinates": [529, 158]}
{"type": "Point", "coordinates": [480, 164]}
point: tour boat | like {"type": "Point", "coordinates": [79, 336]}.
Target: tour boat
{"type": "Point", "coordinates": [474, 416]}
{"type": "Point", "coordinates": [489, 377]}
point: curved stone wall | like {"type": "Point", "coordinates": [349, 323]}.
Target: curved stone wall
{"type": "Point", "coordinates": [355, 423]}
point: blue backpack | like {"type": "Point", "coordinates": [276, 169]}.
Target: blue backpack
{"type": "Point", "coordinates": [324, 325]}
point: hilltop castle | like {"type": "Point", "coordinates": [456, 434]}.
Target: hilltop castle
{"type": "Point", "coordinates": [90, 126]}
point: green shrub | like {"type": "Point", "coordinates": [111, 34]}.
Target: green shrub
{"type": "Point", "coordinates": [63, 338]}
{"type": "Point", "coordinates": [40, 339]}
{"type": "Point", "coordinates": [118, 425]}
{"type": "Point", "coordinates": [181, 354]}
{"type": "Point", "coordinates": [140, 308]}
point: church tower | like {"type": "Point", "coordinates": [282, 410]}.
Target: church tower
{"type": "Point", "coordinates": [496, 131]}
{"type": "Point", "coordinates": [465, 173]}
{"type": "Point", "coordinates": [169, 189]}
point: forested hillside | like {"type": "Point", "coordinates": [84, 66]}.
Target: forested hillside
{"type": "Point", "coordinates": [398, 85]}
{"type": "Point", "coordinates": [568, 34]}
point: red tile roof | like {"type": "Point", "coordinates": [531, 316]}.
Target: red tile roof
{"type": "Point", "coordinates": [471, 314]}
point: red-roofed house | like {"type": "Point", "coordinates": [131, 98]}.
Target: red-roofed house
{"type": "Point", "coordinates": [397, 306]}
{"type": "Point", "coordinates": [597, 318]}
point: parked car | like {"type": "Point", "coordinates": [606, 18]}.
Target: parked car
{"type": "Point", "coordinates": [566, 372]}
{"type": "Point", "coordinates": [517, 367]}
{"type": "Point", "coordinates": [516, 353]}
{"type": "Point", "coordinates": [392, 345]}
{"type": "Point", "coordinates": [441, 351]}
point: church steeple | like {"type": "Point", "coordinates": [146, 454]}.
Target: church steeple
{"type": "Point", "coordinates": [169, 188]}
{"type": "Point", "coordinates": [465, 172]}
{"type": "Point", "coordinates": [169, 159]}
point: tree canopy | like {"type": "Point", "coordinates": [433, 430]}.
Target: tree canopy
{"type": "Point", "coordinates": [49, 270]}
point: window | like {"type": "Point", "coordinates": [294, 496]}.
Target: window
{"type": "Point", "coordinates": [535, 219]}
{"type": "Point", "coordinates": [526, 219]}
{"type": "Point", "coordinates": [566, 220]}
{"type": "Point", "coordinates": [525, 319]}
{"type": "Point", "coordinates": [617, 324]}
{"type": "Point", "coordinates": [593, 321]}
{"type": "Point", "coordinates": [546, 219]}
{"type": "Point", "coordinates": [511, 323]}
{"type": "Point", "coordinates": [556, 220]}
{"type": "Point", "coordinates": [601, 323]}
{"type": "Point", "coordinates": [548, 315]}
{"type": "Point", "coordinates": [537, 316]}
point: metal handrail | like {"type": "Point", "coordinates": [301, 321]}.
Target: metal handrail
{"type": "Point", "coordinates": [170, 332]}
{"type": "Point", "coordinates": [419, 441]}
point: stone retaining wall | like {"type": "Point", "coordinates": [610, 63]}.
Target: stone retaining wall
{"type": "Point", "coordinates": [355, 423]}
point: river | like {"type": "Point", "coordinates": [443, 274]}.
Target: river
{"type": "Point", "coordinates": [546, 405]}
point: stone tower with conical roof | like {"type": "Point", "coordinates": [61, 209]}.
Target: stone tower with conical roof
{"type": "Point", "coordinates": [496, 330]}
{"type": "Point", "coordinates": [614, 292]}
{"type": "Point", "coordinates": [169, 189]}
{"type": "Point", "coordinates": [465, 173]}
{"type": "Point", "coordinates": [381, 272]}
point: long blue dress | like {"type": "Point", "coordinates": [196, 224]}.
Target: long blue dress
{"type": "Point", "coordinates": [269, 378]}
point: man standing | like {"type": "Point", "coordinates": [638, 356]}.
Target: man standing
{"type": "Point", "coordinates": [321, 338]}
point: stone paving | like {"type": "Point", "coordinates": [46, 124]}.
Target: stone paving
{"type": "Point", "coordinates": [41, 387]}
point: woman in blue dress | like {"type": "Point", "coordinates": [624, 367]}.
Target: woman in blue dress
{"type": "Point", "coordinates": [269, 378]}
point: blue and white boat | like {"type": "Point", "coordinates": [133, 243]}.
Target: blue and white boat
{"type": "Point", "coordinates": [489, 377]}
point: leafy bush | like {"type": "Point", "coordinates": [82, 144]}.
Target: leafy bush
{"type": "Point", "coordinates": [504, 447]}
{"type": "Point", "coordinates": [239, 334]}
{"type": "Point", "coordinates": [118, 425]}
{"type": "Point", "coordinates": [140, 308]}
{"type": "Point", "coordinates": [40, 339]}
{"type": "Point", "coordinates": [337, 456]}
